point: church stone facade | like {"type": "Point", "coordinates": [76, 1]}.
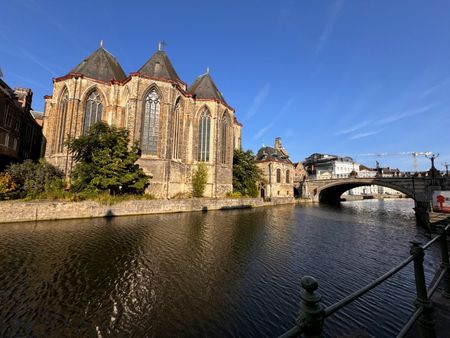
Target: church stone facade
{"type": "Point", "coordinates": [176, 126]}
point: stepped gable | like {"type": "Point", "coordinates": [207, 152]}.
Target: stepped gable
{"type": "Point", "coordinates": [205, 88]}
{"type": "Point", "coordinates": [159, 66]}
{"type": "Point", "coordinates": [101, 65]}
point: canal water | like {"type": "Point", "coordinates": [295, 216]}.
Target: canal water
{"type": "Point", "coordinates": [228, 273]}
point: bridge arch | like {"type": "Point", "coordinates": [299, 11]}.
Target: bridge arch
{"type": "Point", "coordinates": [331, 193]}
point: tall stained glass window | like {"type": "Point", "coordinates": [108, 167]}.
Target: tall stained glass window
{"type": "Point", "coordinates": [224, 138]}
{"type": "Point", "coordinates": [92, 111]}
{"type": "Point", "coordinates": [62, 120]}
{"type": "Point", "coordinates": [204, 133]}
{"type": "Point", "coordinates": [150, 124]}
{"type": "Point", "coordinates": [176, 131]}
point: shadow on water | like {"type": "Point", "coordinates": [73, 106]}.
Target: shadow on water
{"type": "Point", "coordinates": [109, 214]}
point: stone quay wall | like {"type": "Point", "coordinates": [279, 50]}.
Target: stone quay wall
{"type": "Point", "coordinates": [20, 211]}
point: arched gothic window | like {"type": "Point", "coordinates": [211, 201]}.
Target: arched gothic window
{"type": "Point", "coordinates": [287, 176]}
{"type": "Point", "coordinates": [278, 175]}
{"type": "Point", "coordinates": [204, 133]}
{"type": "Point", "coordinates": [126, 110]}
{"type": "Point", "coordinates": [125, 114]}
{"type": "Point", "coordinates": [92, 111]}
{"type": "Point", "coordinates": [177, 122]}
{"type": "Point", "coordinates": [62, 120]}
{"type": "Point", "coordinates": [224, 140]}
{"type": "Point", "coordinates": [150, 123]}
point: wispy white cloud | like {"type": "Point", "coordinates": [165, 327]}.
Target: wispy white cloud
{"type": "Point", "coordinates": [285, 107]}
{"type": "Point", "coordinates": [434, 88]}
{"type": "Point", "coordinates": [37, 61]}
{"type": "Point", "coordinates": [260, 133]}
{"type": "Point", "coordinates": [329, 26]}
{"type": "Point", "coordinates": [403, 115]}
{"type": "Point", "coordinates": [361, 135]}
{"type": "Point", "coordinates": [28, 81]}
{"type": "Point", "coordinates": [353, 128]}
{"type": "Point", "coordinates": [257, 101]}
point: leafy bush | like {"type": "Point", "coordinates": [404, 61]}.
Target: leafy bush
{"type": "Point", "coordinates": [7, 186]}
{"type": "Point", "coordinates": [199, 180]}
{"type": "Point", "coordinates": [34, 178]}
{"type": "Point", "coordinates": [234, 194]}
{"type": "Point", "coordinates": [105, 198]}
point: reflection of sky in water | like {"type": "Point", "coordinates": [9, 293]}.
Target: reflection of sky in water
{"type": "Point", "coordinates": [224, 273]}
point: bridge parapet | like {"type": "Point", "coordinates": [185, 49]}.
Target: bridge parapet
{"type": "Point", "coordinates": [412, 187]}
{"type": "Point", "coordinates": [420, 189]}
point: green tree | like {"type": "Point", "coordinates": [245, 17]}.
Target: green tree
{"type": "Point", "coordinates": [105, 163]}
{"type": "Point", "coordinates": [199, 180]}
{"type": "Point", "coordinates": [246, 173]}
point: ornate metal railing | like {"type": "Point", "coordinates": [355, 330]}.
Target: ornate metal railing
{"type": "Point", "coordinates": [313, 314]}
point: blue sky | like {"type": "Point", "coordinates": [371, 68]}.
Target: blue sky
{"type": "Point", "coordinates": [346, 77]}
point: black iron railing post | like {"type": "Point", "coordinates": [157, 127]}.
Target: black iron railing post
{"type": "Point", "coordinates": [445, 264]}
{"type": "Point", "coordinates": [426, 322]}
{"type": "Point", "coordinates": [312, 313]}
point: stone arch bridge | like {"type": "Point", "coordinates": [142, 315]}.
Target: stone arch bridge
{"type": "Point", "coordinates": [420, 189]}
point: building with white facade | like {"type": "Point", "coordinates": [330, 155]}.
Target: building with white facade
{"type": "Point", "coordinates": [325, 166]}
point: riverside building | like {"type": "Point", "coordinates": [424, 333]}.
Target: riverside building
{"type": "Point", "coordinates": [176, 125]}
{"type": "Point", "coordinates": [277, 170]}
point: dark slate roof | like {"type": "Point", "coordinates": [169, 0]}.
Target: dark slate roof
{"type": "Point", "coordinates": [205, 88]}
{"type": "Point", "coordinates": [101, 65]}
{"type": "Point", "coordinates": [160, 66]}
{"type": "Point", "coordinates": [271, 154]}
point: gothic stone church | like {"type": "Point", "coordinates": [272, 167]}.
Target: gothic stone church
{"type": "Point", "coordinates": [176, 126]}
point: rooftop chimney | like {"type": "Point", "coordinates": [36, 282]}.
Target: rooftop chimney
{"type": "Point", "coordinates": [278, 143]}
{"type": "Point", "coordinates": [24, 97]}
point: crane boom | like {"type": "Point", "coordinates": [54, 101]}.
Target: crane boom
{"type": "Point", "coordinates": [414, 154]}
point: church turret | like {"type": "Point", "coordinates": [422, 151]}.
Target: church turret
{"type": "Point", "coordinates": [100, 65]}
{"type": "Point", "coordinates": [159, 66]}
{"type": "Point", "coordinates": [205, 88]}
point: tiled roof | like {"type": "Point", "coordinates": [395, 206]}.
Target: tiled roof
{"type": "Point", "coordinates": [101, 65]}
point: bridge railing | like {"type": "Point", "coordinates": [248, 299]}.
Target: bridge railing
{"type": "Point", "coordinates": [400, 174]}
{"type": "Point", "coordinates": [312, 315]}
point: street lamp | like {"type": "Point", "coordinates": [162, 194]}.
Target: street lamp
{"type": "Point", "coordinates": [433, 171]}
{"type": "Point", "coordinates": [446, 168]}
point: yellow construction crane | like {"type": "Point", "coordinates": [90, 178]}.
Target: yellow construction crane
{"type": "Point", "coordinates": [414, 155]}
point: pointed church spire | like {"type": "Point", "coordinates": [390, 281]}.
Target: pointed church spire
{"type": "Point", "coordinates": [100, 65]}
{"type": "Point", "coordinates": [159, 65]}
{"type": "Point", "coordinates": [205, 88]}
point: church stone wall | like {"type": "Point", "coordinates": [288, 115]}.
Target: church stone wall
{"type": "Point", "coordinates": [123, 106]}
